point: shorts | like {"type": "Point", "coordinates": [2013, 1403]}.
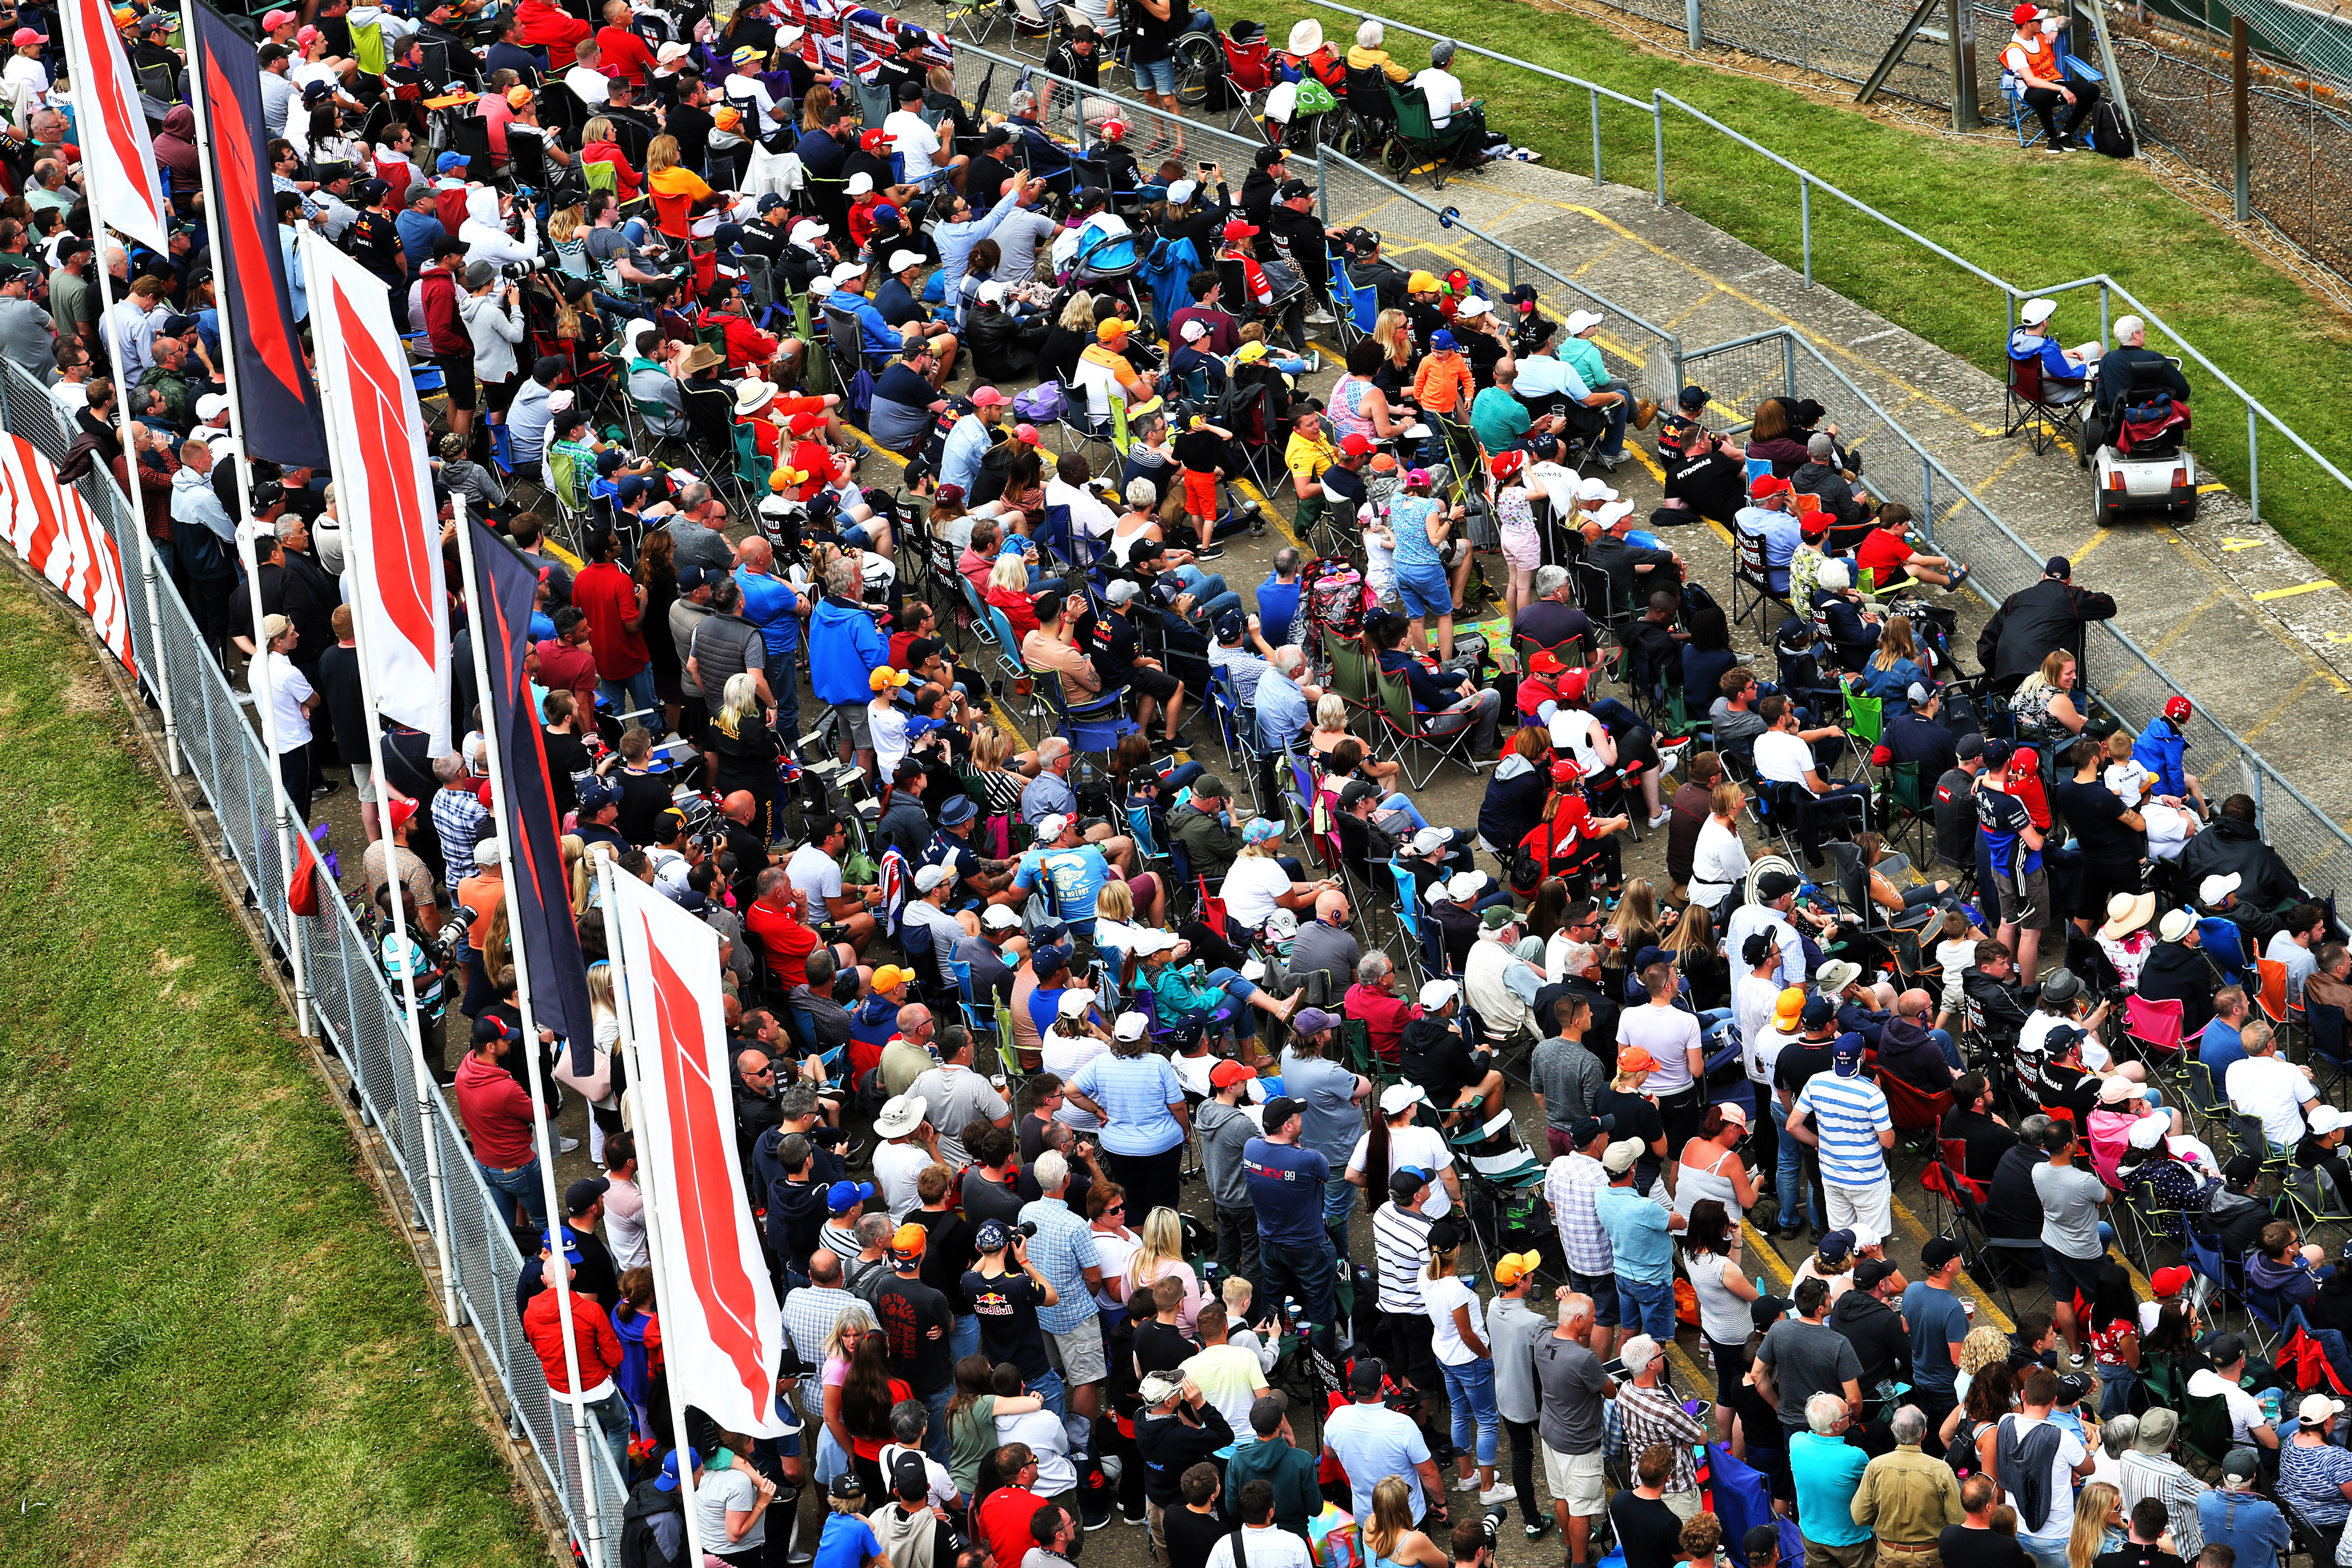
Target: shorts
{"type": "Point", "coordinates": [1602, 1289]}
{"type": "Point", "coordinates": [1522, 549]}
{"type": "Point", "coordinates": [857, 723]}
{"type": "Point", "coordinates": [1873, 1206]}
{"type": "Point", "coordinates": [1156, 683]}
{"type": "Point", "coordinates": [457, 376]}
{"type": "Point", "coordinates": [2069, 1275]}
{"type": "Point", "coordinates": [1078, 1355]}
{"type": "Point", "coordinates": [1155, 76]}
{"type": "Point", "coordinates": [1425, 591]}
{"type": "Point", "coordinates": [1200, 494]}
{"type": "Point", "coordinates": [1575, 1479]}
{"type": "Point", "coordinates": [362, 779]}
{"type": "Point", "coordinates": [2024, 898]}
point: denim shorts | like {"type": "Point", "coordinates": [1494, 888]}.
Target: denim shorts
{"type": "Point", "coordinates": [1157, 76]}
{"type": "Point", "coordinates": [1425, 591]}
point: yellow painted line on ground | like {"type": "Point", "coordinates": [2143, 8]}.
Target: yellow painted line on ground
{"type": "Point", "coordinates": [1607, 251]}
{"type": "Point", "coordinates": [1998, 471]}
{"type": "Point", "coordinates": [1987, 1308]}
{"type": "Point", "coordinates": [2209, 489]}
{"type": "Point", "coordinates": [571, 563]}
{"type": "Point", "coordinates": [2092, 544]}
{"type": "Point", "coordinates": [2289, 701]}
{"type": "Point", "coordinates": [1674, 322]}
{"type": "Point", "coordinates": [2269, 594]}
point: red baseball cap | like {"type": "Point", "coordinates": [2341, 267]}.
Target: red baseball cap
{"type": "Point", "coordinates": [1505, 464]}
{"type": "Point", "coordinates": [1543, 661]}
{"type": "Point", "coordinates": [1240, 228]}
{"type": "Point", "coordinates": [873, 139]}
{"type": "Point", "coordinates": [1766, 485]}
{"type": "Point", "coordinates": [2172, 1281]}
{"type": "Point", "coordinates": [2024, 14]}
{"type": "Point", "coordinates": [404, 812]}
{"type": "Point", "coordinates": [2177, 709]}
{"type": "Point", "coordinates": [801, 424]}
{"type": "Point", "coordinates": [989, 397]}
{"type": "Point", "coordinates": [1565, 773]}
{"type": "Point", "coordinates": [1572, 684]}
{"type": "Point", "coordinates": [1224, 1075]}
{"type": "Point", "coordinates": [1356, 444]}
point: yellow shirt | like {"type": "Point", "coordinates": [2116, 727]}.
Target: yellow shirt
{"type": "Point", "coordinates": [1308, 459]}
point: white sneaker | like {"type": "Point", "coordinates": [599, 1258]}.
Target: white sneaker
{"type": "Point", "coordinates": [1318, 317]}
{"type": "Point", "coordinates": [1466, 1484]}
{"type": "Point", "coordinates": [565, 1145]}
{"type": "Point", "coordinates": [1663, 818]}
{"type": "Point", "coordinates": [1502, 1491]}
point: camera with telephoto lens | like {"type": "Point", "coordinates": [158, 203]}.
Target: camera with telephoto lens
{"type": "Point", "coordinates": [1027, 1228]}
{"type": "Point", "coordinates": [516, 271]}
{"type": "Point", "coordinates": [448, 944]}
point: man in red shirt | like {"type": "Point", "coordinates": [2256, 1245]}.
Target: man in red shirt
{"type": "Point", "coordinates": [1887, 551]}
{"type": "Point", "coordinates": [1374, 1000]}
{"type": "Point", "coordinates": [1005, 1516]}
{"type": "Point", "coordinates": [594, 1341]}
{"type": "Point", "coordinates": [626, 53]}
{"type": "Point", "coordinates": [613, 602]}
{"type": "Point", "coordinates": [496, 1111]}
{"type": "Point", "coordinates": [545, 22]}
{"type": "Point", "coordinates": [566, 664]}
{"type": "Point", "coordinates": [774, 919]}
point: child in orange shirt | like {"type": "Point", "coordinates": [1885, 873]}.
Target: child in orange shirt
{"type": "Point", "coordinates": [1442, 383]}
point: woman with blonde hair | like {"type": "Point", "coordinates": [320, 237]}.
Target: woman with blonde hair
{"type": "Point", "coordinates": [1392, 1540]}
{"type": "Point", "coordinates": [579, 874]}
{"type": "Point", "coordinates": [1394, 335]}
{"type": "Point", "coordinates": [746, 748]}
{"type": "Point", "coordinates": [1458, 1337]}
{"type": "Point", "coordinates": [567, 231]}
{"type": "Point", "coordinates": [676, 190]}
{"type": "Point", "coordinates": [2044, 702]}
{"type": "Point", "coordinates": [1004, 774]}
{"type": "Point", "coordinates": [1634, 925]}
{"type": "Point", "coordinates": [1072, 334]}
{"type": "Point", "coordinates": [600, 143]}
{"type": "Point", "coordinates": [2098, 1525]}
{"type": "Point", "coordinates": [1893, 668]}
{"type": "Point", "coordinates": [604, 1075]}
{"type": "Point", "coordinates": [1008, 590]}
{"type": "Point", "coordinates": [1161, 1256]}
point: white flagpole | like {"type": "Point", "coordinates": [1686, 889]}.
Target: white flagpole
{"type": "Point", "coordinates": [258, 677]}
{"type": "Point", "coordinates": [156, 669]}
{"type": "Point", "coordinates": [656, 1192]}
{"type": "Point", "coordinates": [436, 1190]}
{"type": "Point", "coordinates": [544, 1141]}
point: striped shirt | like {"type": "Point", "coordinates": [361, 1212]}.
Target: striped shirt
{"type": "Point", "coordinates": [1400, 1244]}
{"type": "Point", "coordinates": [811, 1314]}
{"type": "Point", "coordinates": [1062, 1249]}
{"type": "Point", "coordinates": [1569, 1186]}
{"type": "Point", "coordinates": [1850, 1114]}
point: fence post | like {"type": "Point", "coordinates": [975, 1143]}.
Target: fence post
{"type": "Point", "coordinates": [1787, 363]}
{"type": "Point", "coordinates": [2241, 181]}
{"type": "Point", "coordinates": [1927, 498]}
{"type": "Point", "coordinates": [2258, 770]}
{"type": "Point", "coordinates": [2254, 462]}
{"type": "Point", "coordinates": [1805, 224]}
{"type": "Point", "coordinates": [1596, 135]}
{"type": "Point", "coordinates": [1658, 145]}
{"type": "Point", "coordinates": [1691, 30]}
{"type": "Point", "coordinates": [2104, 305]}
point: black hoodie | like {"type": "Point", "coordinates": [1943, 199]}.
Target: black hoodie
{"type": "Point", "coordinates": [1880, 1340]}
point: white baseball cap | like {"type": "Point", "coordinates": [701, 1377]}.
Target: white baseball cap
{"type": "Point", "coordinates": [860, 183]}
{"type": "Point", "coordinates": [1583, 321]}
{"type": "Point", "coordinates": [1050, 828]}
{"type": "Point", "coordinates": [1437, 993]}
{"type": "Point", "coordinates": [2033, 312]}
{"type": "Point", "coordinates": [1128, 1026]}
{"type": "Point", "coordinates": [1397, 1097]}
{"type": "Point", "coordinates": [1075, 1000]}
{"type": "Point", "coordinates": [1000, 917]}
{"type": "Point", "coordinates": [929, 878]}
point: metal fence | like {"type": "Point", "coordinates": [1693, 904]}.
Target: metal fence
{"type": "Point", "coordinates": [357, 1012]}
{"type": "Point", "coordinates": [2130, 684]}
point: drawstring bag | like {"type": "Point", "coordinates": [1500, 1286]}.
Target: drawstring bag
{"type": "Point", "coordinates": [1043, 403]}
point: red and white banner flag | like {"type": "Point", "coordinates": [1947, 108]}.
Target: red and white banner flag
{"type": "Point", "coordinates": [50, 525]}
{"type": "Point", "coordinates": [118, 156]}
{"type": "Point", "coordinates": [721, 1329]}
{"type": "Point", "coordinates": [384, 492]}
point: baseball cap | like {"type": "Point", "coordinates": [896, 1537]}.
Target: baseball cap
{"type": "Point", "coordinates": [1587, 1128]}
{"type": "Point", "coordinates": [1619, 1157]}
{"type": "Point", "coordinates": [668, 1480]}
{"type": "Point", "coordinates": [571, 1243]}
{"type": "Point", "coordinates": [889, 977]}
{"type": "Point", "coordinates": [992, 1236]}
{"type": "Point", "coordinates": [1224, 1075]}
{"type": "Point", "coordinates": [2177, 709]}
{"type": "Point", "coordinates": [846, 1484]}
{"type": "Point", "coordinates": [448, 162]}
{"type": "Point", "coordinates": [1766, 485]}
{"type": "Point", "coordinates": [1834, 1246]}
{"type": "Point", "coordinates": [906, 1242]}
{"type": "Point", "coordinates": [1514, 1267]}
{"type": "Point", "coordinates": [1938, 1251]}
{"type": "Point", "coordinates": [1310, 1020]}
{"type": "Point", "coordinates": [1819, 1010]}
{"type": "Point", "coordinates": [2172, 1280]}
{"type": "Point", "coordinates": [1636, 1058]}
{"type": "Point", "coordinates": [1437, 994]}
{"type": "Point", "coordinates": [1872, 1271]}
{"type": "Point", "coordinates": [1367, 1375]}
{"type": "Point", "coordinates": [842, 1196]}
{"type": "Point", "coordinates": [996, 917]}
{"type": "Point", "coordinates": [1406, 1183]}
{"type": "Point", "coordinates": [583, 1193]}
{"type": "Point", "coordinates": [1847, 1052]}
{"type": "Point", "coordinates": [1281, 1108]}
{"type": "Point", "coordinates": [1774, 885]}
{"type": "Point", "coordinates": [911, 1478]}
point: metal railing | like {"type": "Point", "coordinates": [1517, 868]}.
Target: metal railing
{"type": "Point", "coordinates": [1661, 105]}
{"type": "Point", "coordinates": [358, 1013]}
{"type": "Point", "coordinates": [2129, 683]}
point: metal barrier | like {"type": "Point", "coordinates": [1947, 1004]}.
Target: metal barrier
{"type": "Point", "coordinates": [2132, 685]}
{"type": "Point", "coordinates": [358, 1012]}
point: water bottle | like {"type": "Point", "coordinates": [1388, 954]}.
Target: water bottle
{"type": "Point", "coordinates": [2270, 1406]}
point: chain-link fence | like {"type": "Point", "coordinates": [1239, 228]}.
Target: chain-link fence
{"type": "Point", "coordinates": [1846, 39]}
{"type": "Point", "coordinates": [2132, 685]}
{"type": "Point", "coordinates": [2299, 134]}
{"type": "Point", "coordinates": [357, 1011]}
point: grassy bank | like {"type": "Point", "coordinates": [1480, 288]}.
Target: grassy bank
{"type": "Point", "coordinates": [213, 1348]}
{"type": "Point", "coordinates": [2032, 217]}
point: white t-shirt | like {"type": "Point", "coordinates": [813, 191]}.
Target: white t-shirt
{"type": "Point", "coordinates": [1250, 888]}
{"type": "Point", "coordinates": [590, 87]}
{"type": "Point", "coordinates": [1113, 1250]}
{"type": "Point", "coordinates": [1438, 1299]}
{"type": "Point", "coordinates": [1423, 1148]}
{"type": "Point", "coordinates": [916, 142]}
{"type": "Point", "coordinates": [1666, 1032]}
{"type": "Point", "coordinates": [1579, 730]}
{"type": "Point", "coordinates": [1268, 1548]}
{"type": "Point", "coordinates": [888, 723]}
{"type": "Point", "coordinates": [1042, 1430]}
{"type": "Point", "coordinates": [1063, 1056]}
{"type": "Point", "coordinates": [287, 692]}
{"type": "Point", "coordinates": [29, 72]}
{"type": "Point", "coordinates": [1783, 757]}
{"type": "Point", "coordinates": [896, 1166]}
{"type": "Point", "coordinates": [750, 97]}
{"type": "Point", "coordinates": [1444, 90]}
{"type": "Point", "coordinates": [2245, 1410]}
{"type": "Point", "coordinates": [2061, 1522]}
{"type": "Point", "coordinates": [1230, 1379]}
{"type": "Point", "coordinates": [2273, 1090]}
{"type": "Point", "coordinates": [1718, 862]}
{"type": "Point", "coordinates": [816, 874]}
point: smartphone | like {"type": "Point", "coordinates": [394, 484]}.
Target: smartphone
{"type": "Point", "coordinates": [1206, 167]}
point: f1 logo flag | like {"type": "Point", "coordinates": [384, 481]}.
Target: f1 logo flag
{"type": "Point", "coordinates": [720, 1325]}
{"type": "Point", "coordinates": [116, 151]}
{"type": "Point", "coordinates": [382, 489]}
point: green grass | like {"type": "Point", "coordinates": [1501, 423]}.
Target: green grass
{"type": "Point", "coordinates": [213, 1348]}
{"type": "Point", "coordinates": [2027, 217]}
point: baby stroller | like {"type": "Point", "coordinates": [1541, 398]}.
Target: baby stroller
{"type": "Point", "coordinates": [1107, 263]}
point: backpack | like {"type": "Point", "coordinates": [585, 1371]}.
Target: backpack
{"type": "Point", "coordinates": [1042, 404]}
{"type": "Point", "coordinates": [2111, 132]}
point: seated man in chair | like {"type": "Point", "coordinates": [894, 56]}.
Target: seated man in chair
{"type": "Point", "coordinates": [2066, 373]}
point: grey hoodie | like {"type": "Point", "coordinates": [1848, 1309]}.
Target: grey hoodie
{"type": "Point", "coordinates": [1224, 1130]}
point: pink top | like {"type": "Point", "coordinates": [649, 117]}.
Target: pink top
{"type": "Point", "coordinates": [1142, 1281]}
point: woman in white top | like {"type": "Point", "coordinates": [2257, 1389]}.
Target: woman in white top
{"type": "Point", "coordinates": [1720, 860]}
{"type": "Point", "coordinates": [1670, 1034]}
{"type": "Point", "coordinates": [1458, 1336]}
{"type": "Point", "coordinates": [1115, 1245]}
{"type": "Point", "coordinates": [1394, 1142]}
{"type": "Point", "coordinates": [1074, 1040]}
{"type": "Point", "coordinates": [1711, 1254]}
{"type": "Point", "coordinates": [1259, 884]}
{"type": "Point", "coordinates": [1711, 1168]}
